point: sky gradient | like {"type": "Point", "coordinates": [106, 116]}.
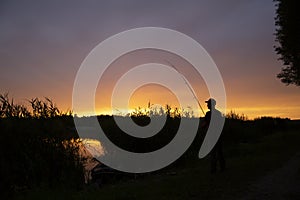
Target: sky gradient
{"type": "Point", "coordinates": [43, 43]}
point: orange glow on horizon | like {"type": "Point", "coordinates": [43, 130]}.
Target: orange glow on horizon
{"type": "Point", "coordinates": [148, 94]}
{"type": "Point", "coordinates": [249, 112]}
{"type": "Point", "coordinates": [251, 97]}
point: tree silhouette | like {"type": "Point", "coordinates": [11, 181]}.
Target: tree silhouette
{"type": "Point", "coordinates": [287, 34]}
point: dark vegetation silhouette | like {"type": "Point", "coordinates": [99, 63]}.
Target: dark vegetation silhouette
{"type": "Point", "coordinates": [37, 149]}
{"type": "Point", "coordinates": [287, 34]}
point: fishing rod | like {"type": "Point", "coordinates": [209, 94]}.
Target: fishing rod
{"type": "Point", "coordinates": [189, 86]}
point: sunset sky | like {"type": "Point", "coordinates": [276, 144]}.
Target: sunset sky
{"type": "Point", "coordinates": [43, 43]}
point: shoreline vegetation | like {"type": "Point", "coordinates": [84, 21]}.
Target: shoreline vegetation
{"type": "Point", "coordinates": [40, 152]}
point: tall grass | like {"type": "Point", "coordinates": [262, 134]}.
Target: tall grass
{"type": "Point", "coordinates": [35, 147]}
{"type": "Point", "coordinates": [39, 108]}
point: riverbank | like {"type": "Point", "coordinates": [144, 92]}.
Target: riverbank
{"type": "Point", "coordinates": [248, 164]}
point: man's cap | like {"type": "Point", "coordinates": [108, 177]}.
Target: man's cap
{"type": "Point", "coordinates": [212, 101]}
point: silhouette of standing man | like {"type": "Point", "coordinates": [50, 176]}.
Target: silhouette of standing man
{"type": "Point", "coordinates": [216, 153]}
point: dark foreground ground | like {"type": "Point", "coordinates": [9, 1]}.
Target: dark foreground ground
{"type": "Point", "coordinates": [268, 168]}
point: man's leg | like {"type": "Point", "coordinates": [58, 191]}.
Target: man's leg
{"type": "Point", "coordinates": [213, 161]}
{"type": "Point", "coordinates": [221, 156]}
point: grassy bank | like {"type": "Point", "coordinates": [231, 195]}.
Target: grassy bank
{"type": "Point", "coordinates": [192, 180]}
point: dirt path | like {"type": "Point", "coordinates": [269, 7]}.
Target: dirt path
{"type": "Point", "coordinates": [283, 183]}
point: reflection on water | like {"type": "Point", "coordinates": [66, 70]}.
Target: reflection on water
{"type": "Point", "coordinates": [93, 147]}
{"type": "Point", "coordinates": [90, 148]}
